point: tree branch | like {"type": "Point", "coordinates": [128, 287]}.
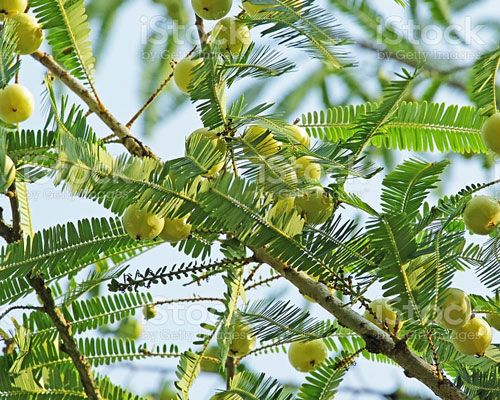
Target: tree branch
{"type": "Point", "coordinates": [133, 145]}
{"type": "Point", "coordinates": [377, 341]}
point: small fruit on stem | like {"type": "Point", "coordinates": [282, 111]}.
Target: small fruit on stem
{"type": "Point", "coordinates": [13, 6]}
{"type": "Point", "coordinates": [218, 143]}
{"type": "Point", "coordinates": [261, 141]}
{"type": "Point", "coordinates": [142, 225]}
{"type": "Point", "coordinates": [212, 9]}
{"type": "Point", "coordinates": [208, 365]}
{"type": "Point", "coordinates": [129, 328]}
{"type": "Point", "coordinates": [176, 229]}
{"type": "Point", "coordinates": [307, 169]}
{"type": "Point", "coordinates": [183, 73]}
{"type": "Point", "coordinates": [385, 315]}
{"type": "Point", "coordinates": [306, 356]}
{"type": "Point", "coordinates": [298, 134]}
{"type": "Point", "coordinates": [491, 133]}
{"type": "Point", "coordinates": [494, 320]}
{"type": "Point", "coordinates": [16, 104]}
{"type": "Point", "coordinates": [316, 207]}
{"type": "Point", "coordinates": [455, 310]}
{"type": "Point", "coordinates": [149, 311]}
{"type": "Point", "coordinates": [482, 215]}
{"type": "Point", "coordinates": [29, 33]}
{"type": "Point", "coordinates": [473, 338]}
{"type": "Point", "coordinates": [284, 205]}
{"type": "Point", "coordinates": [9, 172]}
{"type": "Point", "coordinates": [243, 341]}
{"type": "Point", "coordinates": [231, 35]}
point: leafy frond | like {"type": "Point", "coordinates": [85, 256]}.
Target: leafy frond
{"type": "Point", "coordinates": [484, 82]}
{"type": "Point", "coordinates": [322, 382]}
{"type": "Point", "coordinates": [9, 65]}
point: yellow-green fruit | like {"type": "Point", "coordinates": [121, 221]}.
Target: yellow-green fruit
{"type": "Point", "coordinates": [385, 315]}
{"type": "Point", "coordinates": [316, 207]}
{"type": "Point", "coordinates": [306, 356]}
{"type": "Point", "coordinates": [494, 321]}
{"type": "Point", "coordinates": [254, 9]}
{"type": "Point", "coordinates": [491, 133]}
{"type": "Point", "coordinates": [219, 144]}
{"type": "Point", "coordinates": [243, 342]}
{"type": "Point", "coordinates": [261, 141]}
{"type": "Point", "coordinates": [231, 35]}
{"type": "Point", "coordinates": [16, 104]}
{"type": "Point", "coordinates": [473, 338]}
{"type": "Point", "coordinates": [298, 134]}
{"type": "Point", "coordinates": [208, 365]}
{"type": "Point", "coordinates": [176, 229]}
{"type": "Point", "coordinates": [167, 393]}
{"type": "Point", "coordinates": [212, 9]}
{"type": "Point", "coordinates": [129, 328]}
{"type": "Point", "coordinates": [142, 225]}
{"type": "Point", "coordinates": [282, 206]}
{"type": "Point", "coordinates": [9, 171]}
{"type": "Point", "coordinates": [482, 215]}
{"type": "Point", "coordinates": [29, 33]}
{"type": "Point", "coordinates": [455, 310]}
{"type": "Point", "coordinates": [183, 73]}
{"type": "Point", "coordinates": [13, 6]}
{"type": "Point", "coordinates": [307, 169]}
{"type": "Point", "coordinates": [149, 311]}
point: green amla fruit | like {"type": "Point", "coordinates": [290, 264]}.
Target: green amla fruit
{"type": "Point", "coordinates": [284, 205]}
{"type": "Point", "coordinates": [142, 225]}
{"type": "Point", "coordinates": [231, 35]}
{"type": "Point", "coordinates": [167, 393]}
{"type": "Point", "coordinates": [9, 171]}
{"type": "Point", "coordinates": [491, 133]}
{"type": "Point", "coordinates": [149, 311]}
{"type": "Point", "coordinates": [243, 341]}
{"type": "Point", "coordinates": [212, 9]}
{"type": "Point", "coordinates": [218, 143]}
{"type": "Point", "coordinates": [29, 33]}
{"type": "Point", "coordinates": [16, 104]}
{"type": "Point", "coordinates": [316, 206]}
{"type": "Point", "coordinates": [129, 328]}
{"type": "Point", "coordinates": [482, 215]}
{"type": "Point", "coordinates": [473, 338]}
{"type": "Point", "coordinates": [306, 356]}
{"type": "Point", "coordinates": [261, 141]}
{"type": "Point", "coordinates": [183, 73]}
{"type": "Point", "coordinates": [176, 229]}
{"type": "Point", "coordinates": [385, 314]}
{"type": "Point", "coordinates": [494, 320]}
{"type": "Point", "coordinates": [208, 365]}
{"type": "Point", "coordinates": [455, 311]}
{"type": "Point", "coordinates": [307, 169]}
{"type": "Point", "coordinates": [298, 134]}
{"type": "Point", "coordinates": [13, 6]}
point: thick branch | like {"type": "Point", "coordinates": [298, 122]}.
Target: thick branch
{"type": "Point", "coordinates": [64, 329]}
{"type": "Point", "coordinates": [133, 145]}
{"type": "Point", "coordinates": [377, 341]}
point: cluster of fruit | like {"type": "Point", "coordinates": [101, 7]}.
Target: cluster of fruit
{"type": "Point", "coordinates": [471, 334]}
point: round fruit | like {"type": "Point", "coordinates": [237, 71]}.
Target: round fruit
{"type": "Point", "coordinates": [16, 103]}
{"type": "Point", "coordinates": [29, 33]}
{"type": "Point", "coordinates": [494, 321]}
{"type": "Point", "coordinates": [254, 9]}
{"type": "Point", "coordinates": [307, 169]}
{"type": "Point", "coordinates": [149, 311]}
{"type": "Point", "coordinates": [232, 36]}
{"type": "Point", "coordinates": [176, 229]}
{"type": "Point", "coordinates": [262, 142]}
{"type": "Point", "coordinates": [482, 215]}
{"type": "Point", "coordinates": [212, 9]}
{"type": "Point", "coordinates": [129, 328]}
{"type": "Point", "coordinates": [473, 338]}
{"type": "Point", "coordinates": [385, 315]}
{"type": "Point", "coordinates": [13, 6]}
{"type": "Point", "coordinates": [316, 207]}
{"type": "Point", "coordinates": [298, 134]}
{"type": "Point", "coordinates": [282, 206]}
{"type": "Point", "coordinates": [243, 341]}
{"type": "Point", "coordinates": [167, 393]}
{"type": "Point", "coordinates": [218, 143]}
{"type": "Point", "coordinates": [142, 225]}
{"type": "Point", "coordinates": [208, 365]}
{"type": "Point", "coordinates": [183, 73]}
{"type": "Point", "coordinates": [455, 311]}
{"type": "Point", "coordinates": [306, 356]}
{"type": "Point", "coordinates": [9, 171]}
{"type": "Point", "coordinates": [491, 133]}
